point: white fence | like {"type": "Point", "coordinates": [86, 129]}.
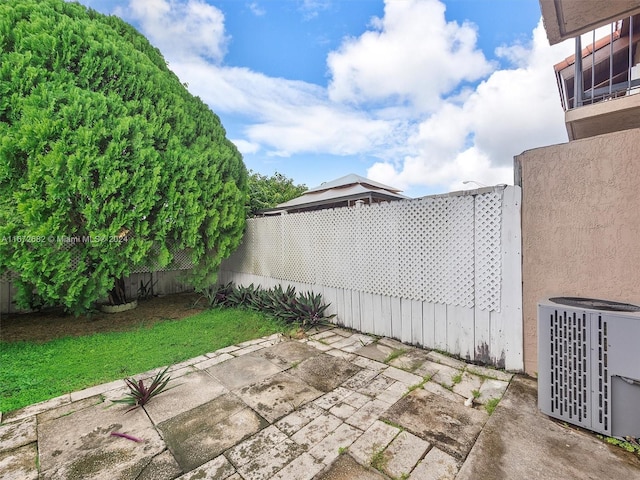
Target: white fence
{"type": "Point", "coordinates": [443, 272]}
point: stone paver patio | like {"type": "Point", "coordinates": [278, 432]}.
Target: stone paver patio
{"type": "Point", "coordinates": [336, 405]}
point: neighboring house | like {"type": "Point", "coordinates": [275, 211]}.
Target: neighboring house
{"type": "Point", "coordinates": [580, 205]}
{"type": "Point", "coordinates": [347, 191]}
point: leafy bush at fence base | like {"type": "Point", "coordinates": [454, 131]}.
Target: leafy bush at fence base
{"type": "Point", "coordinates": [304, 308]}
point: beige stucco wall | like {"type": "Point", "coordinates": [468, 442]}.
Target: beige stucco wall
{"type": "Point", "coordinates": [580, 224]}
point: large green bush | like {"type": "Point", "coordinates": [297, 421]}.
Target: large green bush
{"type": "Point", "coordinates": [106, 161]}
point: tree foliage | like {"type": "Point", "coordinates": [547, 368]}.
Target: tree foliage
{"type": "Point", "coordinates": [106, 161]}
{"type": "Point", "coordinates": [267, 192]}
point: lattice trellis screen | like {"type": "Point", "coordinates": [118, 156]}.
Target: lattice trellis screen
{"type": "Point", "coordinates": [181, 261]}
{"type": "Point", "coordinates": [441, 249]}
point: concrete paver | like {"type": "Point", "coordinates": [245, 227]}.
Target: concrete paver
{"type": "Point", "coordinates": [298, 419]}
{"type": "Point", "coordinates": [278, 395]}
{"type": "Point", "coordinates": [407, 378]}
{"type": "Point", "coordinates": [17, 434]}
{"type": "Point", "coordinates": [445, 375]}
{"type": "Point", "coordinates": [342, 411]}
{"type": "Point", "coordinates": [438, 357]}
{"type": "Point", "coordinates": [81, 444]}
{"type": "Point", "coordinates": [490, 372]}
{"type": "Point", "coordinates": [182, 394]}
{"type": "Point", "coordinates": [328, 449]}
{"type": "Point", "coordinates": [469, 383]}
{"type": "Point", "coordinates": [161, 467]}
{"type": "Point", "coordinates": [449, 426]}
{"type": "Point", "coordinates": [315, 431]}
{"type": "Point", "coordinates": [436, 465]}
{"type": "Point", "coordinates": [264, 464]}
{"type": "Point", "coordinates": [393, 393]}
{"type": "Point", "coordinates": [346, 468]}
{"type": "Point", "coordinates": [262, 441]}
{"type": "Point", "coordinates": [325, 372]}
{"type": "Point", "coordinates": [242, 371]}
{"type": "Point", "coordinates": [286, 354]}
{"type": "Point", "coordinates": [438, 389]}
{"type": "Point", "coordinates": [201, 434]}
{"type": "Point", "coordinates": [212, 361]}
{"type": "Point", "coordinates": [305, 467]}
{"type": "Point", "coordinates": [376, 351]}
{"type": "Point", "coordinates": [402, 455]}
{"type": "Point", "coordinates": [20, 463]}
{"type": "Point", "coordinates": [491, 389]}
{"type": "Point", "coordinates": [375, 439]}
{"type": "Point", "coordinates": [410, 360]}
{"type": "Point", "coordinates": [310, 409]}
{"type": "Point", "coordinates": [375, 385]}
{"type": "Point", "coordinates": [369, 363]}
{"type": "Point", "coordinates": [332, 398]}
{"type": "Point", "coordinates": [367, 414]}
{"type": "Point", "coordinates": [219, 468]}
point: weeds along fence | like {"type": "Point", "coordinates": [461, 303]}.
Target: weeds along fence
{"type": "Point", "coordinates": [442, 272]}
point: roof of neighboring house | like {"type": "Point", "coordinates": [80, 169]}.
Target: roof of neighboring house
{"type": "Point", "coordinates": [344, 189]}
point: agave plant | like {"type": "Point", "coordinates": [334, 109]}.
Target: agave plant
{"type": "Point", "coordinates": [139, 394]}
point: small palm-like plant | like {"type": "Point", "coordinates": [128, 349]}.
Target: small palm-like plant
{"type": "Point", "coordinates": [139, 394]}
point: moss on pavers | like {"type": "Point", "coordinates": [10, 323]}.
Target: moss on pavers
{"type": "Point", "coordinates": [346, 468]}
{"type": "Point", "coordinates": [242, 371]}
{"type": "Point", "coordinates": [19, 463]}
{"type": "Point", "coordinates": [17, 434]}
{"type": "Point", "coordinates": [286, 354]}
{"type": "Point", "coordinates": [451, 427]}
{"type": "Point", "coordinates": [80, 445]}
{"type": "Point", "coordinates": [325, 372]}
{"type": "Point", "coordinates": [161, 467]}
{"type": "Point", "coordinates": [201, 434]}
{"type": "Point", "coordinates": [278, 395]}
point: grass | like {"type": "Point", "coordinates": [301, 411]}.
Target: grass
{"type": "Point", "coordinates": [395, 354]}
{"type": "Point", "coordinates": [378, 461]}
{"type": "Point", "coordinates": [491, 405]}
{"type": "Point", "coordinates": [624, 444]}
{"type": "Point", "coordinates": [33, 372]}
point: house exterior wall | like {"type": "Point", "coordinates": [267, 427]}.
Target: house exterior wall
{"type": "Point", "coordinates": [580, 224]}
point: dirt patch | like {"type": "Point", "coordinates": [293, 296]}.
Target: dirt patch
{"type": "Point", "coordinates": [54, 323]}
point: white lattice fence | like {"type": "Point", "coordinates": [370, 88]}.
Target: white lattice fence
{"type": "Point", "coordinates": [437, 262]}
{"type": "Point", "coordinates": [421, 249]}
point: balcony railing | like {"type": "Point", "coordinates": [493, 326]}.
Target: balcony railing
{"type": "Point", "coordinates": [607, 68]}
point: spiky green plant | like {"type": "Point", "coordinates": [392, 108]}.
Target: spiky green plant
{"type": "Point", "coordinates": [139, 394]}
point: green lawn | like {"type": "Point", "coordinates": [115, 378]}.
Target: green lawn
{"type": "Point", "coordinates": [33, 372]}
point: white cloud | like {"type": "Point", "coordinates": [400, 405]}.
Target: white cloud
{"type": "Point", "coordinates": [181, 29]}
{"type": "Point", "coordinates": [405, 92]}
{"type": "Point", "coordinates": [311, 8]}
{"type": "Point", "coordinates": [245, 147]}
{"type": "Point", "coordinates": [411, 54]}
{"type": "Point", "coordinates": [286, 116]}
{"type": "Point", "coordinates": [256, 9]}
{"type": "Point", "coordinates": [509, 112]}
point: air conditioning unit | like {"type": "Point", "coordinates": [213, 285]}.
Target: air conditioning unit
{"type": "Point", "coordinates": [588, 364]}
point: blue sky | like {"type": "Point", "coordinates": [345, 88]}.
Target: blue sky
{"type": "Point", "coordinates": [419, 94]}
